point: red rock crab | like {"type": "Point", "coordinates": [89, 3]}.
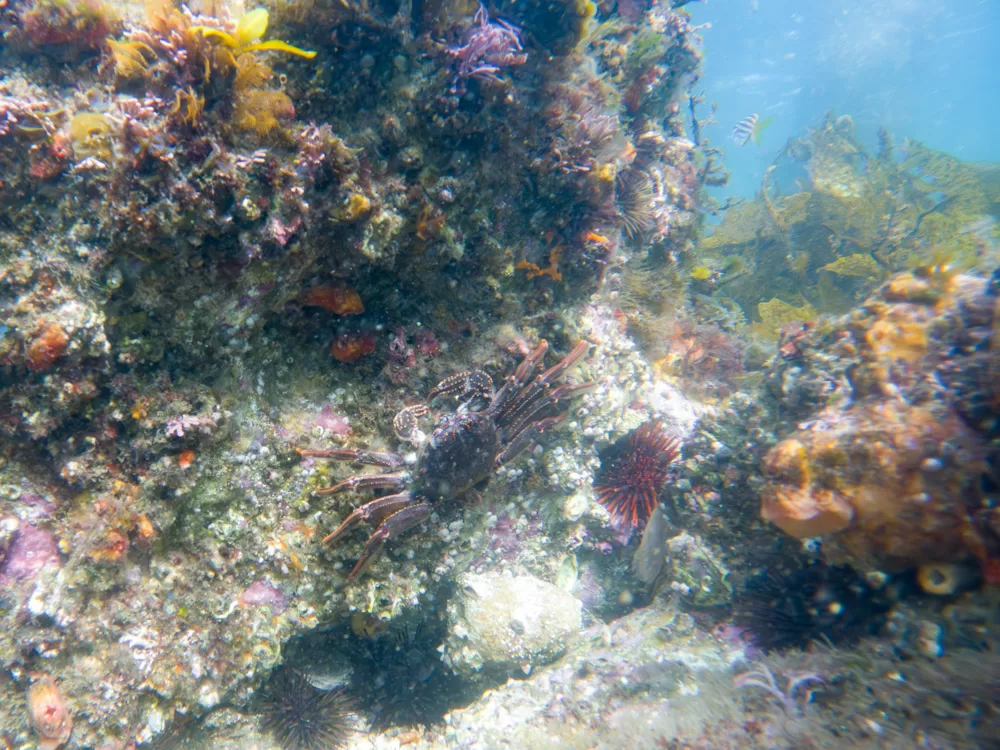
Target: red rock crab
{"type": "Point", "coordinates": [462, 452]}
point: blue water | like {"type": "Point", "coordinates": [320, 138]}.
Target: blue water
{"type": "Point", "coordinates": [926, 70]}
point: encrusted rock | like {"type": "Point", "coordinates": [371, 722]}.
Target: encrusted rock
{"type": "Point", "coordinates": [887, 485]}
{"type": "Point", "coordinates": [501, 623]}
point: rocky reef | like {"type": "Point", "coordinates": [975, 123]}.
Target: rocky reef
{"type": "Point", "coordinates": [229, 238]}
{"type": "Point", "coordinates": [895, 468]}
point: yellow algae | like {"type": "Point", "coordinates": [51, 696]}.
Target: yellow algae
{"type": "Point", "coordinates": [91, 135]}
{"type": "Point", "coordinates": [775, 314]}
{"type": "Point", "coordinates": [860, 266]}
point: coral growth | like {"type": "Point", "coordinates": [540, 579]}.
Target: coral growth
{"type": "Point", "coordinates": [874, 481]}
{"type": "Point", "coordinates": [340, 300]}
{"type": "Point", "coordinates": [889, 471]}
{"type": "Point", "coordinates": [46, 347]}
{"type": "Point", "coordinates": [351, 347]}
{"type": "Point", "coordinates": [31, 550]}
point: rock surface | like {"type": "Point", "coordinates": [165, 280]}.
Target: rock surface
{"type": "Point", "coordinates": [506, 623]}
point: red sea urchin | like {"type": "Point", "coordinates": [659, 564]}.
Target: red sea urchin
{"type": "Point", "coordinates": [301, 716]}
{"type": "Point", "coordinates": [633, 469]}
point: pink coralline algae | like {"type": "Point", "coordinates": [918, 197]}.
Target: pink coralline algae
{"type": "Point", "coordinates": [489, 47]}
{"type": "Point", "coordinates": [332, 422]}
{"type": "Point", "coordinates": [179, 426]}
{"type": "Point", "coordinates": [31, 550]}
{"type": "Point", "coordinates": [263, 594]}
{"type": "Point", "coordinates": [402, 358]}
{"type": "Point", "coordinates": [15, 112]}
{"type": "Point", "coordinates": [427, 343]}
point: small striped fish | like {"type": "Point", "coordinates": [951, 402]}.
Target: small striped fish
{"type": "Point", "coordinates": [745, 129]}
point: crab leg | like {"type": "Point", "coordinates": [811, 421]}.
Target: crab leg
{"type": "Point", "coordinates": [379, 508]}
{"type": "Point", "coordinates": [371, 458]}
{"type": "Point", "coordinates": [524, 370]}
{"type": "Point", "coordinates": [406, 423]}
{"type": "Point", "coordinates": [465, 386]}
{"type": "Point", "coordinates": [396, 524]}
{"type": "Point", "coordinates": [526, 437]}
{"type": "Point", "coordinates": [556, 371]}
{"type": "Point", "coordinates": [512, 384]}
{"type": "Point", "coordinates": [526, 411]}
{"type": "Point", "coordinates": [519, 398]}
{"type": "Point", "coordinates": [366, 482]}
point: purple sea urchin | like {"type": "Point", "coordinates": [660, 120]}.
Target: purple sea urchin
{"type": "Point", "coordinates": [782, 609]}
{"type": "Point", "coordinates": [633, 469]}
{"type": "Point", "coordinates": [303, 717]}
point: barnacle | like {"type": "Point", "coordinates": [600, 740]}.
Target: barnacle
{"type": "Point", "coordinates": [249, 28]}
{"type": "Point", "coordinates": [947, 579]}
{"type": "Point", "coordinates": [131, 58]}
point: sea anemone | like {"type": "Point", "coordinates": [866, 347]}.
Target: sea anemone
{"type": "Point", "coordinates": [303, 717]}
{"type": "Point", "coordinates": [633, 469]}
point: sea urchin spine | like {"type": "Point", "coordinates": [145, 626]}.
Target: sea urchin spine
{"type": "Point", "coordinates": [633, 470]}
{"type": "Point", "coordinates": [303, 717]}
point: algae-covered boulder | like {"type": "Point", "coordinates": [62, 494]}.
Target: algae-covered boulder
{"type": "Point", "coordinates": [500, 622]}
